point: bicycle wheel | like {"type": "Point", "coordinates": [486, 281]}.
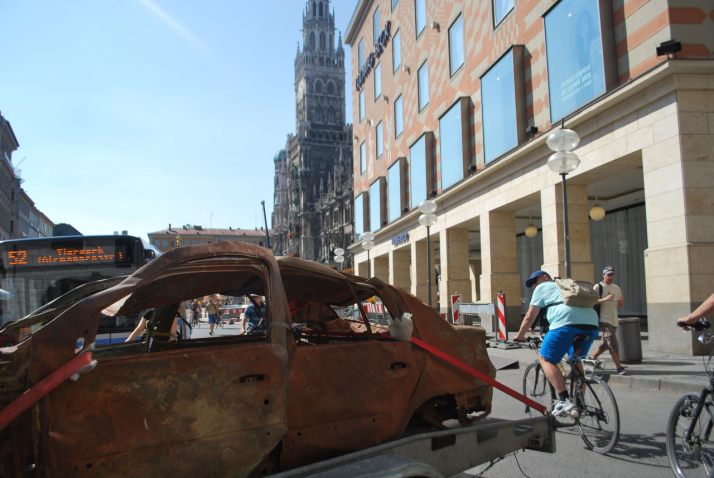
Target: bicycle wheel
{"type": "Point", "coordinates": [693, 457]}
{"type": "Point", "coordinates": [537, 388]}
{"type": "Point", "coordinates": [599, 417]}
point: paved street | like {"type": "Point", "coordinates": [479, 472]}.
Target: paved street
{"type": "Point", "coordinates": [202, 330]}
{"type": "Point", "coordinates": [640, 451]}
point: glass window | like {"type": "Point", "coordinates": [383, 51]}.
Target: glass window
{"type": "Point", "coordinates": [420, 7]}
{"type": "Point", "coordinates": [157, 242]}
{"type": "Point", "coordinates": [397, 50]}
{"type": "Point", "coordinates": [377, 81]}
{"type": "Point", "coordinates": [499, 108]}
{"type": "Point", "coordinates": [375, 206]}
{"type": "Point", "coordinates": [501, 9]}
{"type": "Point", "coordinates": [361, 105]}
{"type": "Point", "coordinates": [456, 44]}
{"type": "Point", "coordinates": [363, 157]}
{"type": "Point", "coordinates": [423, 85]}
{"type": "Point", "coordinates": [380, 142]}
{"type": "Point", "coordinates": [164, 243]}
{"type": "Point", "coordinates": [394, 3]}
{"type": "Point", "coordinates": [375, 25]}
{"type": "Point", "coordinates": [451, 151]}
{"type": "Point", "coordinates": [398, 117]}
{"type": "Point", "coordinates": [417, 169]}
{"type": "Point", "coordinates": [359, 217]}
{"type": "Point", "coordinates": [360, 54]}
{"type": "Point", "coordinates": [576, 70]}
{"type": "Point", "coordinates": [394, 193]}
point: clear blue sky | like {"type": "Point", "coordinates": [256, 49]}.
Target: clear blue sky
{"type": "Point", "coordinates": [133, 114]}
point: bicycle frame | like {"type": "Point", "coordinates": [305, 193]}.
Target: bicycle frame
{"type": "Point", "coordinates": [697, 413]}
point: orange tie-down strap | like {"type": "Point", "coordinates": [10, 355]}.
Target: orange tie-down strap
{"type": "Point", "coordinates": [479, 375]}
{"type": "Point", "coordinates": [43, 387]}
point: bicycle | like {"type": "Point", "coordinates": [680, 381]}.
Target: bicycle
{"type": "Point", "coordinates": [195, 322]}
{"type": "Point", "coordinates": [689, 443]}
{"type": "Point", "coordinates": [597, 416]}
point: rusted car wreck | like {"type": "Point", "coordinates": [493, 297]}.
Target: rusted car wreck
{"type": "Point", "coordinates": [246, 405]}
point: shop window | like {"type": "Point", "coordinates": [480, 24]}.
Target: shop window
{"type": "Point", "coordinates": [501, 8]}
{"type": "Point", "coordinates": [423, 85]}
{"type": "Point", "coordinates": [456, 44]}
{"type": "Point", "coordinates": [576, 68]}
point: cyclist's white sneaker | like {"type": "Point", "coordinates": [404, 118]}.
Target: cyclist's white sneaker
{"type": "Point", "coordinates": [563, 406]}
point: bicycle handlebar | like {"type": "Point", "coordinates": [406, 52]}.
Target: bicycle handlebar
{"type": "Point", "coordinates": [699, 325]}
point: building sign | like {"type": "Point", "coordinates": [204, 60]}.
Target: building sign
{"type": "Point", "coordinates": [400, 239]}
{"type": "Point", "coordinates": [366, 68]}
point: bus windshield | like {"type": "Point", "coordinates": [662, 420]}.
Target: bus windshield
{"type": "Point", "coordinates": [34, 272]}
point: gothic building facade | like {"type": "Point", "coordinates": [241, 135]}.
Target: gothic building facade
{"type": "Point", "coordinates": [313, 174]}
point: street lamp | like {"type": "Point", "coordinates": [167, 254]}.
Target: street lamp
{"type": "Point", "coordinates": [339, 256]}
{"type": "Point", "coordinates": [428, 219]}
{"type": "Point", "coordinates": [564, 161]}
{"type": "Point", "coordinates": [368, 245]}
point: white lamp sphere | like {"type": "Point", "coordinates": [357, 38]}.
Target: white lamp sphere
{"type": "Point", "coordinates": [427, 206]}
{"type": "Point", "coordinates": [563, 140]}
{"type": "Point", "coordinates": [427, 220]}
{"type": "Point", "coordinates": [368, 236]}
{"type": "Point", "coordinates": [367, 245]}
{"type": "Point", "coordinates": [531, 231]}
{"type": "Point", "coordinates": [339, 252]}
{"type": "Point", "coordinates": [339, 259]}
{"type": "Point", "coordinates": [597, 213]}
{"type": "Point", "coordinates": [563, 162]}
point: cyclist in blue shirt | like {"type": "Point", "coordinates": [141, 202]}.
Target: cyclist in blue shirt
{"type": "Point", "coordinates": [254, 320]}
{"type": "Point", "coordinates": [565, 323]}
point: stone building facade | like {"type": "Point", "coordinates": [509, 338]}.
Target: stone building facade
{"type": "Point", "coordinates": [453, 101]}
{"type": "Point", "coordinates": [313, 174]}
{"type": "Point", "coordinates": [191, 235]}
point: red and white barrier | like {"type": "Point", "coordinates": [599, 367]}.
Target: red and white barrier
{"type": "Point", "coordinates": [455, 303]}
{"type": "Point", "coordinates": [501, 302]}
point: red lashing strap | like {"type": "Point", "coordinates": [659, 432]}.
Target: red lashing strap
{"type": "Point", "coordinates": [479, 375]}
{"type": "Point", "coordinates": [43, 387]}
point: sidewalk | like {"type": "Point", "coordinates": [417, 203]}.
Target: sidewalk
{"type": "Point", "coordinates": [657, 371]}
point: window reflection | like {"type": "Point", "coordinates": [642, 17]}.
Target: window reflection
{"type": "Point", "coordinates": [361, 105]}
{"type": "Point", "coordinates": [397, 50]}
{"type": "Point", "coordinates": [417, 169]}
{"type": "Point", "coordinates": [380, 143]}
{"type": "Point", "coordinates": [375, 25]}
{"type": "Point", "coordinates": [394, 185]}
{"type": "Point", "coordinates": [501, 9]}
{"type": "Point", "coordinates": [398, 117]}
{"type": "Point", "coordinates": [360, 54]}
{"type": "Point", "coordinates": [375, 206]}
{"type": "Point", "coordinates": [499, 108]}
{"type": "Point", "coordinates": [420, 7]}
{"type": "Point", "coordinates": [423, 85]}
{"type": "Point", "coordinates": [359, 217]}
{"type": "Point", "coordinates": [451, 152]}
{"type": "Point", "coordinates": [362, 157]}
{"type": "Point", "coordinates": [377, 81]}
{"type": "Point", "coordinates": [456, 45]}
{"type": "Point", "coordinates": [576, 70]}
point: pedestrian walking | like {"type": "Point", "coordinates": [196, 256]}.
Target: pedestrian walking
{"type": "Point", "coordinates": [212, 311]}
{"type": "Point", "coordinates": [611, 299]}
{"type": "Point", "coordinates": [254, 316]}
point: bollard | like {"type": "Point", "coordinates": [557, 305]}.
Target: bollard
{"type": "Point", "coordinates": [628, 335]}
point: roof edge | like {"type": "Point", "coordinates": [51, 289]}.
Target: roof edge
{"type": "Point", "coordinates": [356, 21]}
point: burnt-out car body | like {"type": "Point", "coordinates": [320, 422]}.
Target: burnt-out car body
{"type": "Point", "coordinates": [244, 405]}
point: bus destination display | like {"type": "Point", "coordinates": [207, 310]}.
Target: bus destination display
{"type": "Point", "coordinates": [66, 254]}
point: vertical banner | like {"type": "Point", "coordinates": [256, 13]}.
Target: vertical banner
{"type": "Point", "coordinates": [501, 306]}
{"type": "Point", "coordinates": [455, 303]}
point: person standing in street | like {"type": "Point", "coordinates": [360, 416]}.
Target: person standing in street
{"type": "Point", "coordinates": [610, 299]}
{"type": "Point", "coordinates": [254, 318]}
{"type": "Point", "coordinates": [212, 311]}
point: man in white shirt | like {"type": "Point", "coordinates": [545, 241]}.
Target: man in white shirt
{"type": "Point", "coordinates": [610, 299]}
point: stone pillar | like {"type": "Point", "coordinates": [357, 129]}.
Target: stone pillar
{"type": "Point", "coordinates": [380, 267]}
{"type": "Point", "coordinates": [581, 265]}
{"type": "Point", "coordinates": [399, 269]}
{"type": "Point", "coordinates": [454, 260]}
{"type": "Point", "coordinates": [475, 277]}
{"type": "Point", "coordinates": [499, 263]}
{"type": "Point", "coordinates": [360, 265]}
{"type": "Point", "coordinates": [418, 271]}
{"type": "Point", "coordinates": [678, 174]}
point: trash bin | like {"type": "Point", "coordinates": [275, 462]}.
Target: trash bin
{"type": "Point", "coordinates": [628, 335]}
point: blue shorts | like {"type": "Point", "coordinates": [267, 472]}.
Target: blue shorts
{"type": "Point", "coordinates": [559, 341]}
{"type": "Point", "coordinates": [212, 319]}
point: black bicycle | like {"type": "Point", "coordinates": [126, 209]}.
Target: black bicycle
{"type": "Point", "coordinates": [690, 447]}
{"type": "Point", "coordinates": [597, 415]}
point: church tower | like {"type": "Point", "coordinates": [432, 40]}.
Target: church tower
{"type": "Point", "coordinates": [319, 155]}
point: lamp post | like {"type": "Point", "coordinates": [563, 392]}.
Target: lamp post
{"type": "Point", "coordinates": [428, 219]}
{"type": "Point", "coordinates": [339, 256]}
{"type": "Point", "coordinates": [368, 245]}
{"type": "Point", "coordinates": [564, 161]}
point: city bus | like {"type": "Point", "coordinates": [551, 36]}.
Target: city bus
{"type": "Point", "coordinates": [34, 272]}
